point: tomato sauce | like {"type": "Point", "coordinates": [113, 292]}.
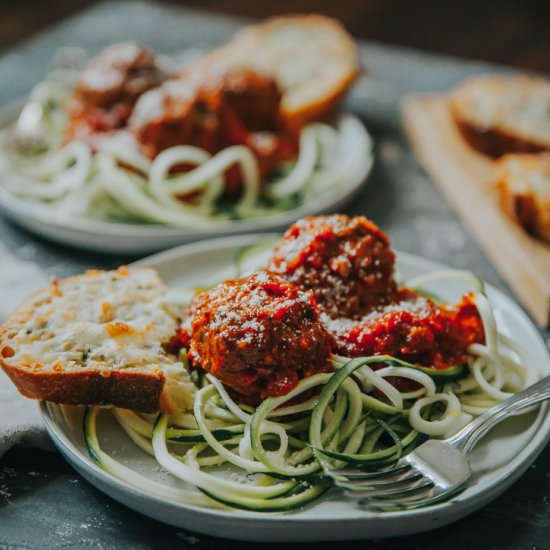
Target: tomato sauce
{"type": "Point", "coordinates": [262, 334]}
{"type": "Point", "coordinates": [213, 112]}
{"type": "Point", "coordinates": [414, 329]}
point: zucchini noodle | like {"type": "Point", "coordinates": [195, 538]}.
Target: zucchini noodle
{"type": "Point", "coordinates": [116, 182]}
{"type": "Point", "coordinates": [274, 457]}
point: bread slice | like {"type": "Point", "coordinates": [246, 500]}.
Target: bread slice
{"type": "Point", "coordinates": [498, 114]}
{"type": "Point", "coordinates": [312, 58]}
{"type": "Point", "coordinates": [97, 338]}
{"type": "Point", "coordinates": [524, 188]}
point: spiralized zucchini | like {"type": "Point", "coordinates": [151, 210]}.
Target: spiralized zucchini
{"type": "Point", "coordinates": [274, 457]}
{"type": "Point", "coordinates": [118, 183]}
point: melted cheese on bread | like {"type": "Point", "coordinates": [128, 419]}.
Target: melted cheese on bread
{"type": "Point", "coordinates": [102, 321]}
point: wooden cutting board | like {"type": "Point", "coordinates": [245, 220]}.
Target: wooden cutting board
{"type": "Point", "coordinates": [466, 179]}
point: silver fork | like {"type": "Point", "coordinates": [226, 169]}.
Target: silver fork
{"type": "Point", "coordinates": [436, 470]}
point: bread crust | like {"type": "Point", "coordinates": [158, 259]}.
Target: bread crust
{"type": "Point", "coordinates": [495, 143]}
{"type": "Point", "coordinates": [127, 387]}
{"type": "Point", "coordinates": [323, 109]}
{"type": "Point", "coordinates": [522, 201]}
{"type": "Point", "coordinates": [490, 114]}
{"type": "Point", "coordinates": [130, 390]}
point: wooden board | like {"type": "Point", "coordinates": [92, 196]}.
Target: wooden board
{"type": "Point", "coordinates": [466, 179]}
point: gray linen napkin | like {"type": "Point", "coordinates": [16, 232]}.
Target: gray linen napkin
{"type": "Point", "coordinates": [20, 420]}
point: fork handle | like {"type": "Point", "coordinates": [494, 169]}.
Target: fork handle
{"type": "Point", "coordinates": [466, 438]}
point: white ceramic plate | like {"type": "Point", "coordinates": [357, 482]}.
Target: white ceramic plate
{"type": "Point", "coordinates": [130, 238]}
{"type": "Point", "coordinates": [498, 461]}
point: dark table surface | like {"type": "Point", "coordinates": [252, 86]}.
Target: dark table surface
{"type": "Point", "coordinates": [43, 502]}
{"type": "Point", "coordinates": [509, 32]}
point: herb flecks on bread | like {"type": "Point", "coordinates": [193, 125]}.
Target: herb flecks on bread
{"type": "Point", "coordinates": [498, 114]}
{"type": "Point", "coordinates": [97, 338]}
{"type": "Point", "coordinates": [524, 188]}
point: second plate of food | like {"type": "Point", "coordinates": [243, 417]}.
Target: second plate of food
{"type": "Point", "coordinates": [497, 462]}
{"type": "Point", "coordinates": [127, 237]}
{"type": "Point", "coordinates": [131, 154]}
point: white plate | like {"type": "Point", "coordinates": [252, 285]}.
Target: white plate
{"type": "Point", "coordinates": [498, 461]}
{"type": "Point", "coordinates": [127, 238]}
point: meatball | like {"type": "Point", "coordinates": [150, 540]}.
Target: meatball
{"type": "Point", "coordinates": [346, 262]}
{"type": "Point", "coordinates": [253, 97]}
{"type": "Point", "coordinates": [109, 86]}
{"type": "Point", "coordinates": [414, 329]}
{"type": "Point", "coordinates": [214, 111]}
{"type": "Point", "coordinates": [259, 335]}
{"type": "Point", "coordinates": [174, 114]}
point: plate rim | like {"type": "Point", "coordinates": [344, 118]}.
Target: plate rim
{"type": "Point", "coordinates": [446, 512]}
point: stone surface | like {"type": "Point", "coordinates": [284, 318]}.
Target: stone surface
{"type": "Point", "coordinates": [43, 503]}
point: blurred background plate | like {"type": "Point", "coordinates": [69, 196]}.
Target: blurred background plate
{"type": "Point", "coordinates": [97, 235]}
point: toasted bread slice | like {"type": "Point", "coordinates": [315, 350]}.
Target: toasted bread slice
{"type": "Point", "coordinates": [498, 115]}
{"type": "Point", "coordinates": [97, 338]}
{"type": "Point", "coordinates": [524, 189]}
{"type": "Point", "coordinates": [312, 58]}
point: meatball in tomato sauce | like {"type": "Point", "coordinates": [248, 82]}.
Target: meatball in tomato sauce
{"type": "Point", "coordinates": [259, 335]}
{"type": "Point", "coordinates": [346, 262]}
{"type": "Point", "coordinates": [109, 86]}
{"type": "Point", "coordinates": [214, 111]}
